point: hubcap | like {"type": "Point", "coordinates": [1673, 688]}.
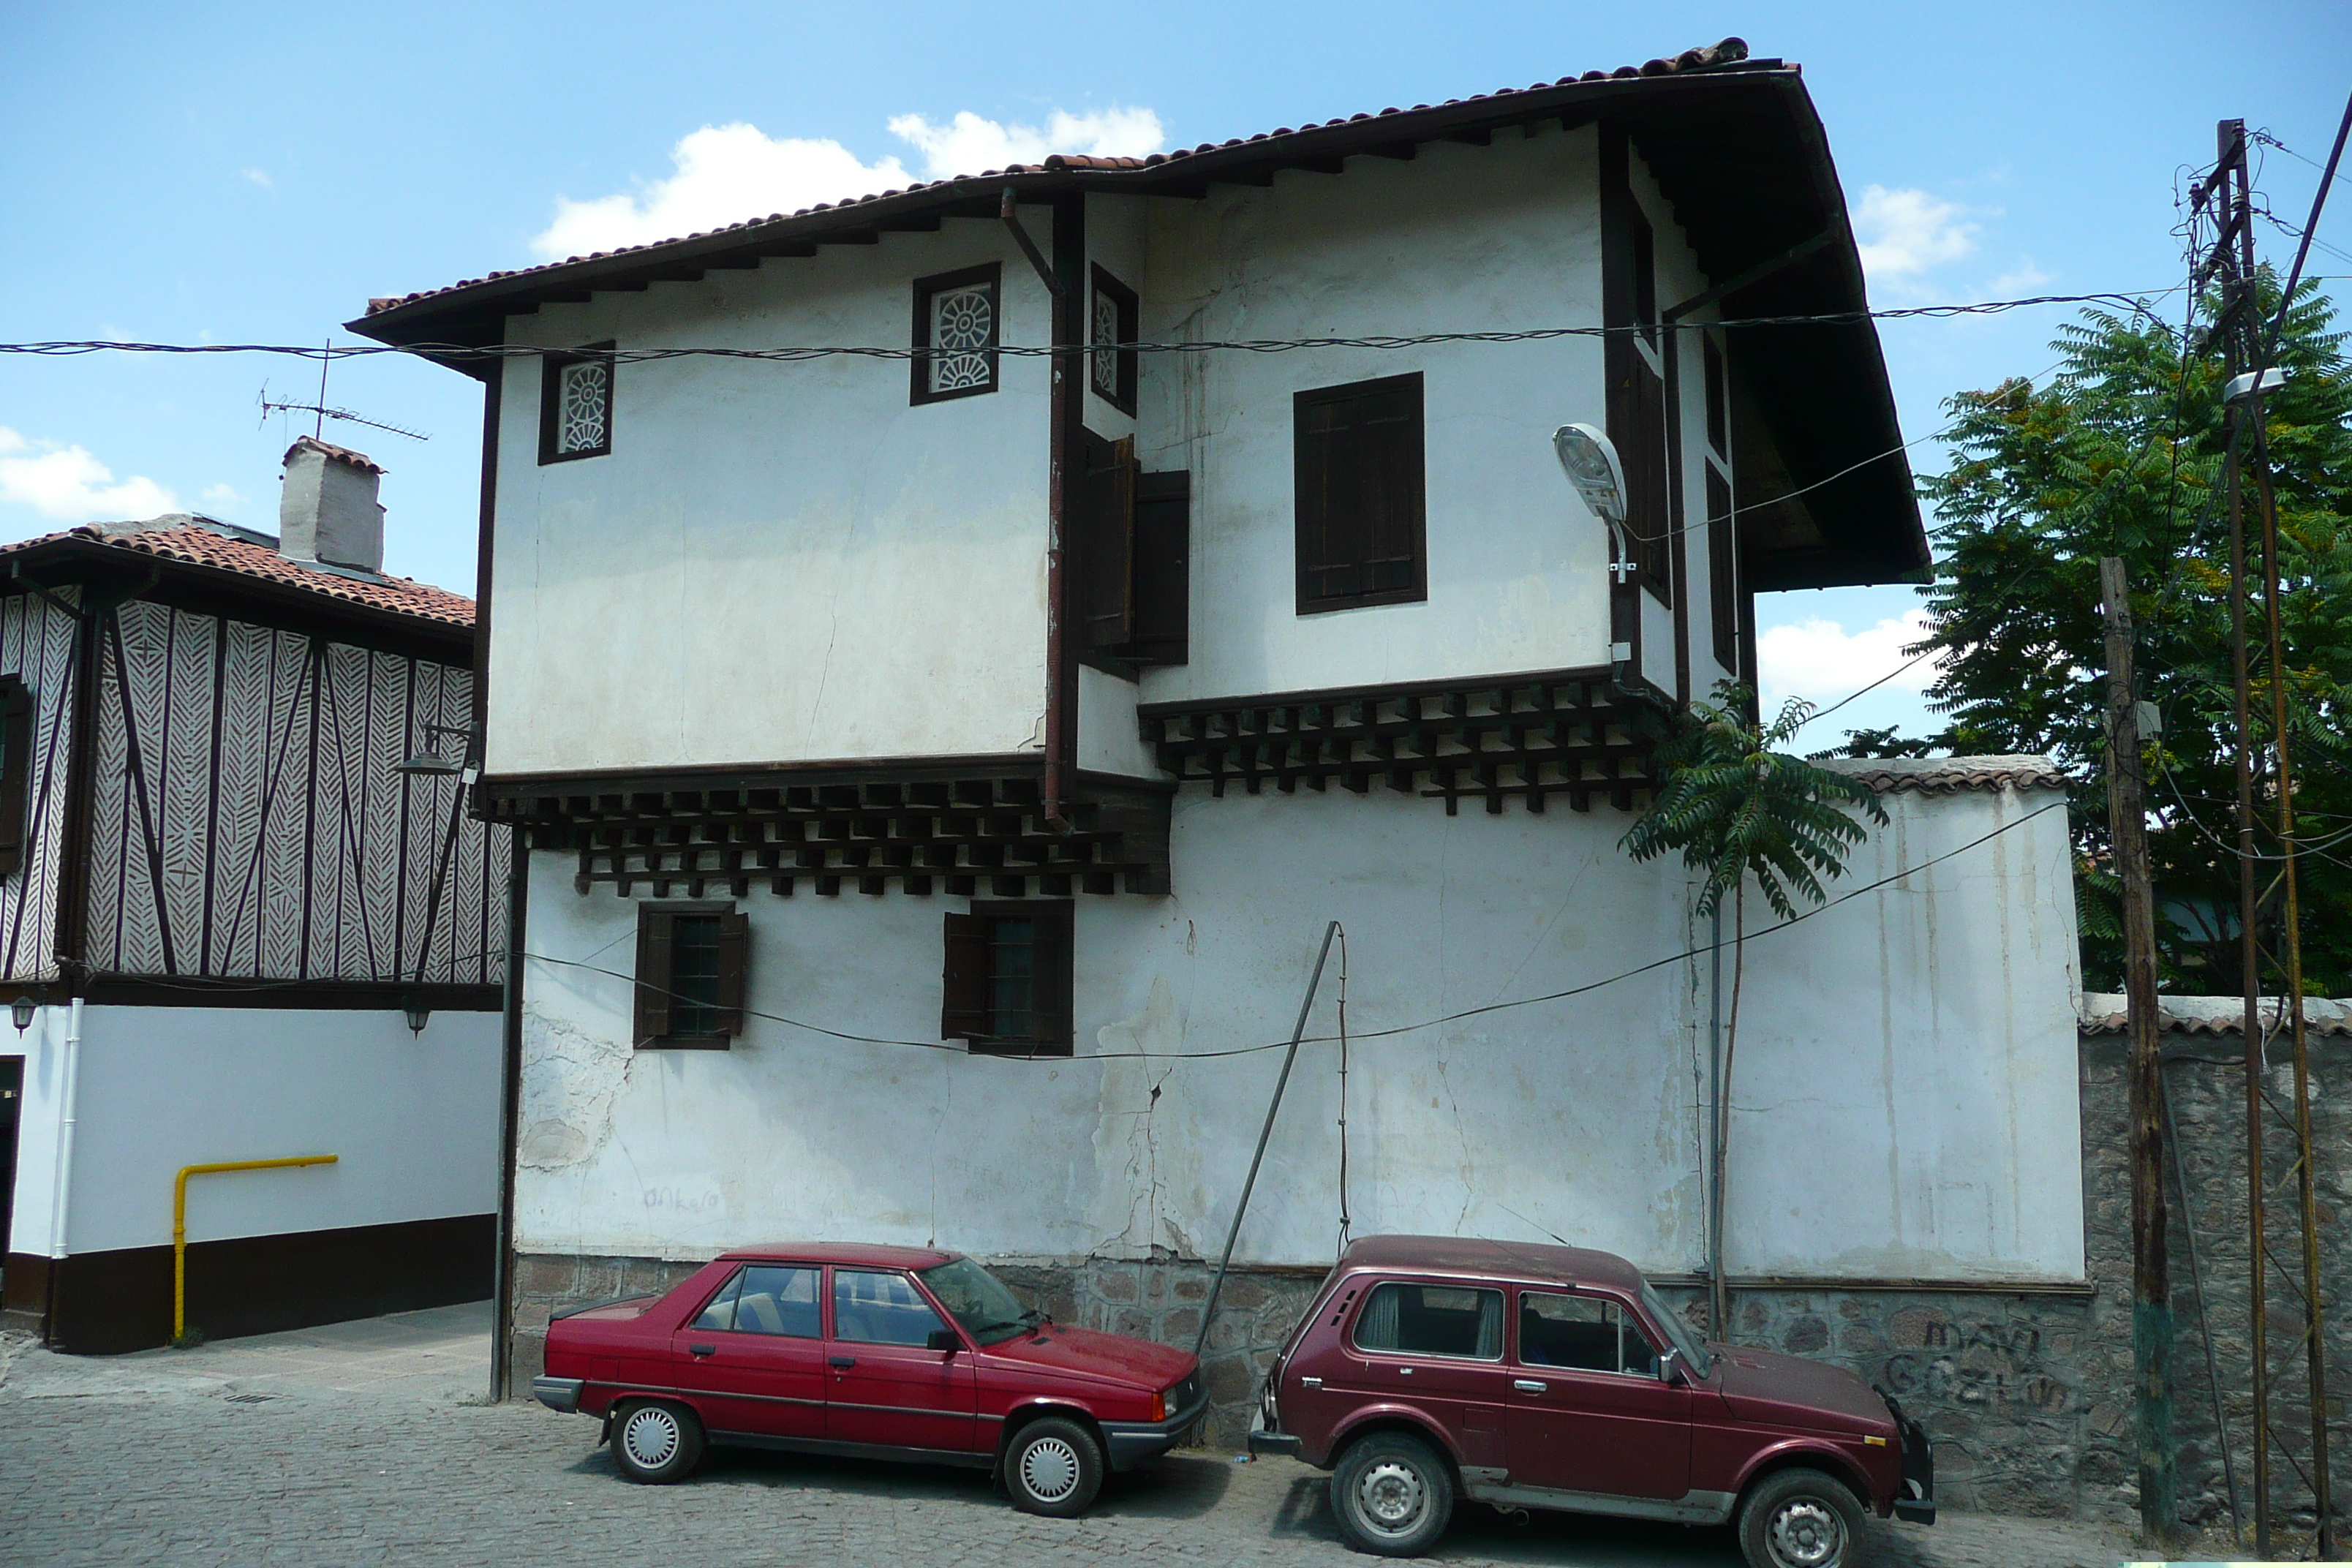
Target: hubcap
{"type": "Point", "coordinates": [1806, 1534]}
{"type": "Point", "coordinates": [651, 1437]}
{"type": "Point", "coordinates": [1049, 1469]}
{"type": "Point", "coordinates": [1391, 1498]}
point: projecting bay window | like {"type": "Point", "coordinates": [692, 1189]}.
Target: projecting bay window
{"type": "Point", "coordinates": [575, 403]}
{"type": "Point", "coordinates": [956, 333]}
{"type": "Point", "coordinates": [1005, 986]}
{"type": "Point", "coordinates": [1635, 356]}
{"type": "Point", "coordinates": [1360, 496]}
{"type": "Point", "coordinates": [689, 982]}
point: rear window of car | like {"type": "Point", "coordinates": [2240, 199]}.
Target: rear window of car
{"type": "Point", "coordinates": [767, 1299]}
{"type": "Point", "coordinates": [1456, 1320]}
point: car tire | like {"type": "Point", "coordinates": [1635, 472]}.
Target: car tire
{"type": "Point", "coordinates": [1393, 1495]}
{"type": "Point", "coordinates": [656, 1442]}
{"type": "Point", "coordinates": [1802, 1518]}
{"type": "Point", "coordinates": [1053, 1467]}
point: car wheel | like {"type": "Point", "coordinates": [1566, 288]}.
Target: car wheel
{"type": "Point", "coordinates": [1802, 1518]}
{"type": "Point", "coordinates": [1393, 1495]}
{"type": "Point", "coordinates": [1053, 1467]}
{"type": "Point", "coordinates": [656, 1443]}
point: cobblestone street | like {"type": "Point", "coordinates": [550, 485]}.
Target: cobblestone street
{"type": "Point", "coordinates": [369, 1443]}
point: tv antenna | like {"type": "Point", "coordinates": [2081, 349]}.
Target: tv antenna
{"type": "Point", "coordinates": [322, 411]}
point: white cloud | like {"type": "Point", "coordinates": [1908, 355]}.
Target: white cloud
{"type": "Point", "coordinates": [1905, 233]}
{"type": "Point", "coordinates": [969, 145]}
{"type": "Point", "coordinates": [223, 496]}
{"type": "Point", "coordinates": [726, 174]}
{"type": "Point", "coordinates": [2024, 278]}
{"type": "Point", "coordinates": [68, 484]}
{"type": "Point", "coordinates": [1819, 659]}
{"type": "Point", "coordinates": [259, 177]}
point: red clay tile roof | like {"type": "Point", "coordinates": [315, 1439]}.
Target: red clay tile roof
{"type": "Point", "coordinates": [201, 542]}
{"type": "Point", "coordinates": [1730, 51]}
{"type": "Point", "coordinates": [1943, 775]}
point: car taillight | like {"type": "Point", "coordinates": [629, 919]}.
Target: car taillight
{"type": "Point", "coordinates": [1160, 1407]}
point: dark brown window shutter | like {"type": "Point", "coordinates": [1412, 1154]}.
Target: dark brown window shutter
{"type": "Point", "coordinates": [1164, 568]}
{"type": "Point", "coordinates": [964, 980]}
{"type": "Point", "coordinates": [1360, 494]}
{"type": "Point", "coordinates": [1718, 411]}
{"type": "Point", "coordinates": [1637, 428]}
{"type": "Point", "coordinates": [15, 769]}
{"type": "Point", "coordinates": [653, 973]}
{"type": "Point", "coordinates": [1722, 584]}
{"type": "Point", "coordinates": [734, 958]}
{"type": "Point", "coordinates": [1105, 540]}
{"type": "Point", "coordinates": [1054, 977]}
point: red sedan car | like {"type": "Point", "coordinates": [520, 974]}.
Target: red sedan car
{"type": "Point", "coordinates": [893, 1352]}
{"type": "Point", "coordinates": [1527, 1376]}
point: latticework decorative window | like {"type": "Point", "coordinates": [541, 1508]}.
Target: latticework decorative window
{"type": "Point", "coordinates": [955, 335]}
{"type": "Point", "coordinates": [575, 418]}
{"type": "Point", "coordinates": [1115, 319]}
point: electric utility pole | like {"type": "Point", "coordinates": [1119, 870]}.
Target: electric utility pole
{"type": "Point", "coordinates": [2226, 196]}
{"type": "Point", "coordinates": [2159, 1505]}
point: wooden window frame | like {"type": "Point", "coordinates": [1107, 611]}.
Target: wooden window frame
{"type": "Point", "coordinates": [1722, 567]}
{"type": "Point", "coordinates": [551, 371]}
{"type": "Point", "coordinates": [1129, 544]}
{"type": "Point", "coordinates": [918, 388]}
{"type": "Point", "coordinates": [15, 771]}
{"type": "Point", "coordinates": [965, 1006]}
{"type": "Point", "coordinates": [1305, 506]}
{"type": "Point", "coordinates": [655, 919]}
{"type": "Point", "coordinates": [1715, 389]}
{"type": "Point", "coordinates": [1127, 363]}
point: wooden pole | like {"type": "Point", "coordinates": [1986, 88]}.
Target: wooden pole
{"type": "Point", "coordinates": [2159, 1506]}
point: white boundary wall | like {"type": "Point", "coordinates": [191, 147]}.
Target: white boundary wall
{"type": "Point", "coordinates": [414, 1121]}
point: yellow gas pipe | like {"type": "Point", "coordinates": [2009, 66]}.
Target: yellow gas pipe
{"type": "Point", "coordinates": [180, 1224]}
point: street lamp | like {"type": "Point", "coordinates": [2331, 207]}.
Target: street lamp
{"type": "Point", "coordinates": [21, 1011]}
{"type": "Point", "coordinates": [428, 762]}
{"type": "Point", "coordinates": [418, 1012]}
{"type": "Point", "coordinates": [1589, 460]}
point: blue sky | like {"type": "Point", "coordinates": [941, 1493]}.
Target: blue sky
{"type": "Point", "coordinates": [254, 173]}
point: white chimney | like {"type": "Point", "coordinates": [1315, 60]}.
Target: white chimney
{"type": "Point", "coordinates": [328, 511]}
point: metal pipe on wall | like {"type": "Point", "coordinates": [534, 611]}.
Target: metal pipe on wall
{"type": "Point", "coordinates": [68, 1078]}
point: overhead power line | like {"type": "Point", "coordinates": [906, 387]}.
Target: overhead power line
{"type": "Point", "coordinates": [1239, 345]}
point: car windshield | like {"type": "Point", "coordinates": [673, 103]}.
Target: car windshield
{"type": "Point", "coordinates": [1694, 1352]}
{"type": "Point", "coordinates": [979, 1300]}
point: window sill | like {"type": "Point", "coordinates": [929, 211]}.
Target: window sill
{"type": "Point", "coordinates": [687, 1043]}
{"type": "Point", "coordinates": [1013, 1047]}
{"type": "Point", "coordinates": [1364, 601]}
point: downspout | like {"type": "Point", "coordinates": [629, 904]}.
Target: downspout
{"type": "Point", "coordinates": [70, 1078]}
{"type": "Point", "coordinates": [510, 1112]}
{"type": "Point", "coordinates": [1061, 647]}
{"type": "Point", "coordinates": [1714, 1195]}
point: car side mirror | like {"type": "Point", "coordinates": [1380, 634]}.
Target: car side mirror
{"type": "Point", "coordinates": [943, 1340]}
{"type": "Point", "coordinates": [1670, 1368]}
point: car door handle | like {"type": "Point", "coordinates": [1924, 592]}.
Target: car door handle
{"type": "Point", "coordinates": [840, 1360]}
{"type": "Point", "coordinates": [1529, 1385]}
{"type": "Point", "coordinates": [702, 1350]}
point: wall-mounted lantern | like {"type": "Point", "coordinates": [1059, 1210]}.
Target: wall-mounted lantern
{"type": "Point", "coordinates": [21, 1011]}
{"type": "Point", "coordinates": [428, 762]}
{"type": "Point", "coordinates": [417, 1011]}
{"type": "Point", "coordinates": [1590, 459]}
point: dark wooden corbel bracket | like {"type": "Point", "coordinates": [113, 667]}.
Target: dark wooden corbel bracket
{"type": "Point", "coordinates": [1756, 274]}
{"type": "Point", "coordinates": [1028, 246]}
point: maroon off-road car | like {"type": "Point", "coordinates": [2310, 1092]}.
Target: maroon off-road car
{"type": "Point", "coordinates": [888, 1353]}
{"type": "Point", "coordinates": [1532, 1376]}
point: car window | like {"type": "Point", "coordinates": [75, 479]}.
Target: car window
{"type": "Point", "coordinates": [1432, 1320]}
{"type": "Point", "coordinates": [779, 1300]}
{"type": "Point", "coordinates": [720, 1314]}
{"type": "Point", "coordinates": [1582, 1333]}
{"type": "Point", "coordinates": [880, 1309]}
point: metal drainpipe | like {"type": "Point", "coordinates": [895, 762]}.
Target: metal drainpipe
{"type": "Point", "coordinates": [69, 1075]}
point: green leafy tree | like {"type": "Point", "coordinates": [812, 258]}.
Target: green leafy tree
{"type": "Point", "coordinates": [1742, 809]}
{"type": "Point", "coordinates": [2120, 452]}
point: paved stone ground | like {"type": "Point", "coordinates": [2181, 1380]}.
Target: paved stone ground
{"type": "Point", "coordinates": [370, 1443]}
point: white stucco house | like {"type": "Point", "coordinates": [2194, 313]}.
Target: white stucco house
{"type": "Point", "coordinates": [940, 766]}
{"type": "Point", "coordinates": [234, 929]}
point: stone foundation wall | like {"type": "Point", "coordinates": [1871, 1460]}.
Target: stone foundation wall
{"type": "Point", "coordinates": [2027, 1393]}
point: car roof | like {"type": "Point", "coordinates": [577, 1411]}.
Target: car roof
{"type": "Point", "coordinates": [870, 1254]}
{"type": "Point", "coordinates": [1475, 1255]}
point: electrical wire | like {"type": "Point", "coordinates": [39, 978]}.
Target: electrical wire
{"type": "Point", "coordinates": [1245, 345]}
{"type": "Point", "coordinates": [1394, 1030]}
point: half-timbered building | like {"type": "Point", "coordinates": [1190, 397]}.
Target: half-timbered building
{"type": "Point", "coordinates": [939, 762]}
{"type": "Point", "coordinates": [236, 929]}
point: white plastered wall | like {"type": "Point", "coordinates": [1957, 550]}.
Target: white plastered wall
{"type": "Point", "coordinates": [1578, 1117]}
{"type": "Point", "coordinates": [776, 562]}
{"type": "Point", "coordinates": [413, 1120]}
